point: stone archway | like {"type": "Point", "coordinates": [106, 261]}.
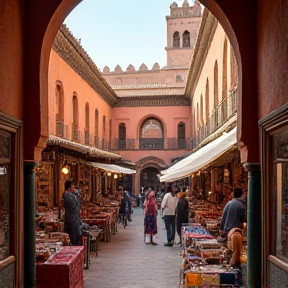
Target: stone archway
{"type": "Point", "coordinates": [147, 170]}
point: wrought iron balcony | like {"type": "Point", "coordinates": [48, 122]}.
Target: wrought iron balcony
{"type": "Point", "coordinates": [86, 139]}
{"type": "Point", "coordinates": [96, 141]}
{"type": "Point", "coordinates": [60, 128]}
{"type": "Point", "coordinates": [151, 144]}
{"type": "Point", "coordinates": [222, 113]}
{"type": "Point", "coordinates": [75, 133]}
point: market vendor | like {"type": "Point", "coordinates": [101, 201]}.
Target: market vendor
{"type": "Point", "coordinates": [72, 219]}
{"type": "Point", "coordinates": [233, 217]}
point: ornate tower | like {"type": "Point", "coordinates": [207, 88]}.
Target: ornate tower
{"type": "Point", "coordinates": [182, 28]}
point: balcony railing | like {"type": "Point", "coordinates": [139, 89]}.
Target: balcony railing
{"type": "Point", "coordinates": [151, 144]}
{"type": "Point", "coordinates": [60, 128]}
{"type": "Point", "coordinates": [86, 139]}
{"type": "Point", "coordinates": [75, 133]}
{"type": "Point", "coordinates": [222, 113]}
{"type": "Point", "coordinates": [121, 144]}
{"type": "Point", "coordinates": [96, 141]}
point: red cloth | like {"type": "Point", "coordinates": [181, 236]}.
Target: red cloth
{"type": "Point", "coordinates": [63, 270]}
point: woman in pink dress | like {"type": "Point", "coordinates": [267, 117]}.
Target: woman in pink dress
{"type": "Point", "coordinates": [150, 219]}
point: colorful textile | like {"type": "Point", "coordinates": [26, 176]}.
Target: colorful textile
{"type": "Point", "coordinates": [193, 279]}
{"type": "Point", "coordinates": [210, 279]}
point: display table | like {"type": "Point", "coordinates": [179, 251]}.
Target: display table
{"type": "Point", "coordinates": [64, 269]}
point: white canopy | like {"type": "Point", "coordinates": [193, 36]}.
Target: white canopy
{"type": "Point", "coordinates": [112, 168]}
{"type": "Point", "coordinates": [200, 158]}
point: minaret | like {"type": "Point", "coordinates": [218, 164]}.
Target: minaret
{"type": "Point", "coordinates": [182, 29]}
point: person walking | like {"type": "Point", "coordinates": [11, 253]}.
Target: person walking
{"type": "Point", "coordinates": [181, 213]}
{"type": "Point", "coordinates": [128, 205]}
{"type": "Point", "coordinates": [150, 218]}
{"type": "Point", "coordinates": [72, 219]}
{"type": "Point", "coordinates": [168, 207]}
{"type": "Point", "coordinates": [233, 217]}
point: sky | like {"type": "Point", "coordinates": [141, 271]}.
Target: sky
{"type": "Point", "coordinates": [122, 32]}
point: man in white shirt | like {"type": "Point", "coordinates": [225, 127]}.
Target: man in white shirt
{"type": "Point", "coordinates": [168, 207]}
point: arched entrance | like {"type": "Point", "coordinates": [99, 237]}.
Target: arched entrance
{"type": "Point", "coordinates": [148, 178]}
{"type": "Point", "coordinates": [42, 28]}
{"type": "Point", "coordinates": [149, 168]}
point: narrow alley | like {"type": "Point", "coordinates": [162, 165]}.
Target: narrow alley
{"type": "Point", "coordinates": [128, 262]}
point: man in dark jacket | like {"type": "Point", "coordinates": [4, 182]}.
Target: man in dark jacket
{"type": "Point", "coordinates": [181, 212]}
{"type": "Point", "coordinates": [72, 219]}
{"type": "Point", "coordinates": [233, 217]}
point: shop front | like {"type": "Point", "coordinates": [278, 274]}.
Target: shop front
{"type": "Point", "coordinates": [62, 160]}
{"type": "Point", "coordinates": [213, 171]}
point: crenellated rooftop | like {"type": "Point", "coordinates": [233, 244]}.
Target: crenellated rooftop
{"type": "Point", "coordinates": [185, 10]}
{"type": "Point", "coordinates": [131, 68]}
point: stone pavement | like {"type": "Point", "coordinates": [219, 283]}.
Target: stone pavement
{"type": "Point", "coordinates": [127, 262]}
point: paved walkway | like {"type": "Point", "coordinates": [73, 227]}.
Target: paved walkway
{"type": "Point", "coordinates": [127, 262]}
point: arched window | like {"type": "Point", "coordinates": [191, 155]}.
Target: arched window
{"type": "Point", "coordinates": [201, 111]}
{"type": "Point", "coordinates": [224, 79]}
{"type": "Point", "coordinates": [96, 138]}
{"type": "Point", "coordinates": [207, 100]}
{"type": "Point", "coordinates": [75, 132]}
{"type": "Point", "coordinates": [186, 39]}
{"type": "Point", "coordinates": [194, 124]}
{"type": "Point", "coordinates": [151, 134]}
{"type": "Point", "coordinates": [87, 117]}
{"type": "Point", "coordinates": [110, 133]}
{"type": "Point", "coordinates": [59, 109]}
{"type": "Point", "coordinates": [216, 90]}
{"type": "Point", "coordinates": [87, 126]}
{"type": "Point", "coordinates": [103, 132]}
{"type": "Point", "coordinates": [198, 117]}
{"type": "Point", "coordinates": [181, 136]}
{"type": "Point", "coordinates": [176, 39]}
{"type": "Point", "coordinates": [59, 101]}
{"type": "Point", "coordinates": [233, 66]}
{"type": "Point", "coordinates": [122, 136]}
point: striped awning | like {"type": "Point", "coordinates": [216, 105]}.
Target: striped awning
{"type": "Point", "coordinates": [112, 168]}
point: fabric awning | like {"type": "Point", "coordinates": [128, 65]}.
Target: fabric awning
{"type": "Point", "coordinates": [91, 151]}
{"type": "Point", "coordinates": [112, 168]}
{"type": "Point", "coordinates": [200, 158]}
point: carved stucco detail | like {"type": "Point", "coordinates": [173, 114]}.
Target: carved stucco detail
{"type": "Point", "coordinates": [148, 102]}
{"type": "Point", "coordinates": [70, 50]}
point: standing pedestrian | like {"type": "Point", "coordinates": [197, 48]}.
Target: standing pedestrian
{"type": "Point", "coordinates": [72, 219]}
{"type": "Point", "coordinates": [168, 207]}
{"type": "Point", "coordinates": [150, 217]}
{"type": "Point", "coordinates": [181, 213]}
{"type": "Point", "coordinates": [233, 217]}
{"type": "Point", "coordinates": [128, 205]}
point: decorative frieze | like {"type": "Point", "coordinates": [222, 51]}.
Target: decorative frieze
{"type": "Point", "coordinates": [148, 101]}
{"type": "Point", "coordinates": [70, 50]}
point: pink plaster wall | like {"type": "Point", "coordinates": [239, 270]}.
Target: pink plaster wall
{"type": "Point", "coordinates": [11, 57]}
{"type": "Point", "coordinates": [72, 82]}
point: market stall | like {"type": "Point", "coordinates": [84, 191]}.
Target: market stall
{"type": "Point", "coordinates": [206, 262]}
{"type": "Point", "coordinates": [64, 269]}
